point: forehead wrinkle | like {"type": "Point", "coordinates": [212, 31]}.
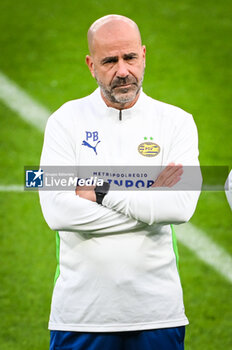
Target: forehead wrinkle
{"type": "Point", "coordinates": [114, 22]}
{"type": "Point", "coordinates": [120, 48]}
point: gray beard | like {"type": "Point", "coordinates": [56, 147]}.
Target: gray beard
{"type": "Point", "coordinates": [119, 98]}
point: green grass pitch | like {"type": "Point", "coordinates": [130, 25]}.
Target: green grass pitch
{"type": "Point", "coordinates": [43, 48]}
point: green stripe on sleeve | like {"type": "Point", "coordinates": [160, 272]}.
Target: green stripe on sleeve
{"type": "Point", "coordinates": [57, 274]}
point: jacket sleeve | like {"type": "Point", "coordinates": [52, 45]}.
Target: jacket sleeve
{"type": "Point", "coordinates": [228, 189]}
{"type": "Point", "coordinates": [64, 210]}
{"type": "Point", "coordinates": [160, 205]}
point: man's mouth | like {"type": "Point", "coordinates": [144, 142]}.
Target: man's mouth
{"type": "Point", "coordinates": [124, 86]}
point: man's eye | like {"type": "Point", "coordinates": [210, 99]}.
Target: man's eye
{"type": "Point", "coordinates": [129, 58]}
{"type": "Point", "coordinates": [112, 60]}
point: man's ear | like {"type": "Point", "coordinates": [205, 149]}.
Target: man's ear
{"type": "Point", "coordinates": [144, 54]}
{"type": "Point", "coordinates": [90, 64]}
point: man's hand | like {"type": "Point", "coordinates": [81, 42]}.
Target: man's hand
{"type": "Point", "coordinates": [169, 176]}
{"type": "Point", "coordinates": [86, 192]}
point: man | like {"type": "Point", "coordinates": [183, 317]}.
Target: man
{"type": "Point", "coordinates": [117, 284]}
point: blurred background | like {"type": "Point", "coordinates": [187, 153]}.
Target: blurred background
{"type": "Point", "coordinates": [189, 60]}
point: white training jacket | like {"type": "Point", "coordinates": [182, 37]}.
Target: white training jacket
{"type": "Point", "coordinates": [117, 268]}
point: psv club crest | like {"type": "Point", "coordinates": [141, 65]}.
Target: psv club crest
{"type": "Point", "coordinates": [148, 148]}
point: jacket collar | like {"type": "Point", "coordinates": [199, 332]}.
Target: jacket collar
{"type": "Point", "coordinates": [113, 112]}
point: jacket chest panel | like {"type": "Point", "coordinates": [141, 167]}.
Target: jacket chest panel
{"type": "Point", "coordinates": [121, 143]}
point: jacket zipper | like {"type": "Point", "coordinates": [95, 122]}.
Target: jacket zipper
{"type": "Point", "coordinates": [120, 114]}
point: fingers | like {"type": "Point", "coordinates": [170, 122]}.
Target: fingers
{"type": "Point", "coordinates": [86, 192]}
{"type": "Point", "coordinates": [169, 176]}
{"type": "Point", "coordinates": [173, 175]}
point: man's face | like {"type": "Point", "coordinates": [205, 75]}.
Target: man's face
{"type": "Point", "coordinates": [117, 63]}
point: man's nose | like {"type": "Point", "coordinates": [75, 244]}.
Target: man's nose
{"type": "Point", "coordinates": [122, 70]}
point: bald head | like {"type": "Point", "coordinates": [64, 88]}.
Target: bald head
{"type": "Point", "coordinates": [110, 25]}
{"type": "Point", "coordinates": [117, 59]}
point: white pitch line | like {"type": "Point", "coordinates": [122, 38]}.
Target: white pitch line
{"type": "Point", "coordinates": [21, 103]}
{"type": "Point", "coordinates": [205, 249]}
{"type": "Point", "coordinates": [190, 236]}
{"type": "Point", "coordinates": [11, 188]}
